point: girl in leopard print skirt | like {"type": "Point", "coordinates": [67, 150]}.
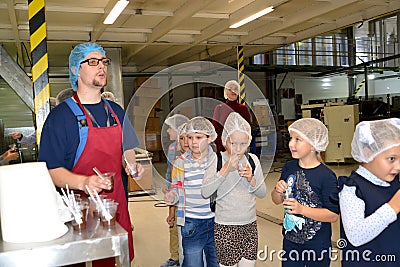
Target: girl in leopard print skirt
{"type": "Point", "coordinates": [238, 182]}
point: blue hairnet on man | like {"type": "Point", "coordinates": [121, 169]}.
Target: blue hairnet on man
{"type": "Point", "coordinates": [77, 55]}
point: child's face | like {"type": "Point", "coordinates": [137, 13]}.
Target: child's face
{"type": "Point", "coordinates": [183, 142]}
{"type": "Point", "coordinates": [198, 143]}
{"type": "Point", "coordinates": [299, 147]}
{"type": "Point", "coordinates": [385, 165]}
{"type": "Point", "coordinates": [172, 134]}
{"type": "Point", "coordinates": [237, 143]}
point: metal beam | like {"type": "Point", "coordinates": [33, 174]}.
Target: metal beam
{"type": "Point", "coordinates": [362, 65]}
{"type": "Point", "coordinates": [16, 77]}
{"type": "Point", "coordinates": [14, 25]}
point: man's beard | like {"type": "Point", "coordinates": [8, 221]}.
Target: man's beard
{"type": "Point", "coordinates": [98, 84]}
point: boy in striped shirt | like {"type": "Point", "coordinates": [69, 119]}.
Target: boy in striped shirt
{"type": "Point", "coordinates": [194, 214]}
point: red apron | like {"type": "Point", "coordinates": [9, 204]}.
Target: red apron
{"type": "Point", "coordinates": [103, 150]}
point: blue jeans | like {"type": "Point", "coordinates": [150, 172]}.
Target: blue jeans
{"type": "Point", "coordinates": [198, 237]}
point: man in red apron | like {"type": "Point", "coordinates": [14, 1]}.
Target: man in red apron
{"type": "Point", "coordinates": [71, 153]}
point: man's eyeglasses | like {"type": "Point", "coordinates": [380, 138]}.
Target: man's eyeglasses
{"type": "Point", "coordinates": [96, 61]}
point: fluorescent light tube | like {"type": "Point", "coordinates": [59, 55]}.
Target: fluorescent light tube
{"type": "Point", "coordinates": [116, 11]}
{"type": "Point", "coordinates": [252, 17]}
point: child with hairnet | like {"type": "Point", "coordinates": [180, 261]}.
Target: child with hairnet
{"type": "Point", "coordinates": [305, 188]}
{"type": "Point", "coordinates": [370, 198]}
{"type": "Point", "coordinates": [194, 214]}
{"type": "Point", "coordinates": [173, 123]}
{"type": "Point", "coordinates": [176, 130]}
{"type": "Point", "coordinates": [237, 186]}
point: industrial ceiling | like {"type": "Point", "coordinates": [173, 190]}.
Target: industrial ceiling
{"type": "Point", "coordinates": [154, 34]}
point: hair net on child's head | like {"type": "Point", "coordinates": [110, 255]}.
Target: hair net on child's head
{"type": "Point", "coordinates": [77, 55]}
{"type": "Point", "coordinates": [52, 102]}
{"type": "Point", "coordinates": [235, 122]}
{"type": "Point", "coordinates": [176, 120]}
{"type": "Point", "coordinates": [201, 125]}
{"type": "Point", "coordinates": [313, 131]}
{"type": "Point", "coordinates": [108, 95]}
{"type": "Point", "coordinates": [233, 86]}
{"type": "Point", "coordinates": [374, 137]}
{"type": "Point", "coordinates": [64, 95]}
{"type": "Point", "coordinates": [182, 129]}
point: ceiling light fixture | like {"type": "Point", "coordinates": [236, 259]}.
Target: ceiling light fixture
{"type": "Point", "coordinates": [116, 11]}
{"type": "Point", "coordinates": [252, 17]}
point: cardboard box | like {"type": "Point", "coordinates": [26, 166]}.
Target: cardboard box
{"type": "Point", "coordinates": [146, 183]}
{"type": "Point", "coordinates": [140, 123]}
{"type": "Point", "coordinates": [186, 111]}
{"type": "Point", "coordinates": [143, 111]}
{"type": "Point", "coordinates": [140, 110]}
{"type": "Point", "coordinates": [260, 110]}
{"type": "Point", "coordinates": [147, 102]}
{"type": "Point", "coordinates": [153, 141]}
{"type": "Point", "coordinates": [154, 92]}
{"type": "Point", "coordinates": [159, 156]}
{"type": "Point", "coordinates": [153, 124]}
{"type": "Point", "coordinates": [146, 82]}
{"type": "Point", "coordinates": [263, 120]}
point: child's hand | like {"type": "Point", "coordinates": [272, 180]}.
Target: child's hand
{"type": "Point", "coordinates": [292, 206]}
{"type": "Point", "coordinates": [165, 189]}
{"type": "Point", "coordinates": [171, 220]}
{"type": "Point", "coordinates": [281, 187]}
{"type": "Point", "coordinates": [232, 164]}
{"type": "Point", "coordinates": [394, 202]}
{"type": "Point", "coordinates": [169, 197]}
{"type": "Point", "coordinates": [245, 172]}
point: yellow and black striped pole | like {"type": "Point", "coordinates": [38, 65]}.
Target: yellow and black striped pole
{"type": "Point", "coordinates": [171, 93]}
{"type": "Point", "coordinates": [358, 88]}
{"type": "Point", "coordinates": [240, 65]}
{"type": "Point", "coordinates": [40, 65]}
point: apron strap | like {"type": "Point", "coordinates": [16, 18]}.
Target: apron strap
{"type": "Point", "coordinates": [82, 126]}
{"type": "Point", "coordinates": [108, 107]}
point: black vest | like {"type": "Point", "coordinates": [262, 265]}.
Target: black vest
{"type": "Point", "coordinates": [386, 244]}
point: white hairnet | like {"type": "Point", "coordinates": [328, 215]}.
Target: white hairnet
{"type": "Point", "coordinates": [233, 86]}
{"type": "Point", "coordinates": [76, 56]}
{"type": "Point", "coordinates": [313, 131]}
{"type": "Point", "coordinates": [182, 129]}
{"type": "Point", "coordinates": [175, 121]}
{"type": "Point", "coordinates": [52, 102]}
{"type": "Point", "coordinates": [235, 122]}
{"type": "Point", "coordinates": [108, 95]}
{"type": "Point", "coordinates": [374, 137]}
{"type": "Point", "coordinates": [64, 95]}
{"type": "Point", "coordinates": [201, 125]}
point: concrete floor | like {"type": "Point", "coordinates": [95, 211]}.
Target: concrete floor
{"type": "Point", "coordinates": [151, 236]}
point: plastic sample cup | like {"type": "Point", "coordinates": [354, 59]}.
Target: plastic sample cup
{"type": "Point", "coordinates": [109, 176]}
{"type": "Point", "coordinates": [111, 208]}
{"type": "Point", "coordinates": [82, 210]}
{"type": "Point", "coordinates": [133, 169]}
